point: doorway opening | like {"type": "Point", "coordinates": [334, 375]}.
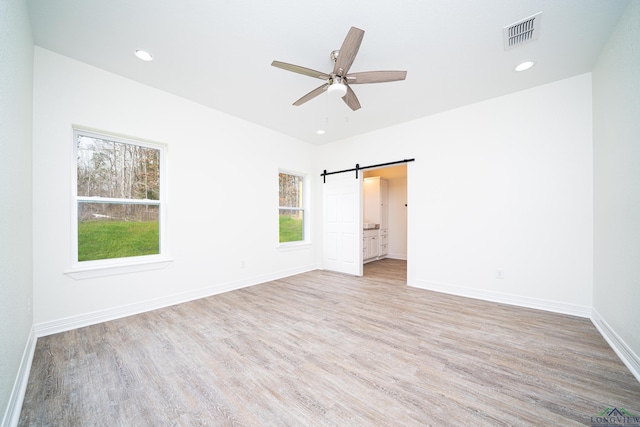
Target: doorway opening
{"type": "Point", "coordinates": [385, 219]}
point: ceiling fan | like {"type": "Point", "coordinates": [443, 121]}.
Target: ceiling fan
{"type": "Point", "coordinates": [339, 80]}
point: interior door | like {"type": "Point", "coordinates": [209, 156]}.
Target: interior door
{"type": "Point", "coordinates": [342, 223]}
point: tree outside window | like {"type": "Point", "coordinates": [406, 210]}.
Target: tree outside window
{"type": "Point", "coordinates": [291, 208]}
{"type": "Point", "coordinates": [118, 197]}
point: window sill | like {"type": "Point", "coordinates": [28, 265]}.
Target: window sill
{"type": "Point", "coordinates": [90, 272]}
{"type": "Point", "coordinates": [294, 246]}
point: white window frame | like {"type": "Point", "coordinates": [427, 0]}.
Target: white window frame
{"type": "Point", "coordinates": [107, 267]}
{"type": "Point", "coordinates": [306, 231]}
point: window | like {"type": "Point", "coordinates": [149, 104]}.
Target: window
{"type": "Point", "coordinates": [291, 208]}
{"type": "Point", "coordinates": [118, 199]}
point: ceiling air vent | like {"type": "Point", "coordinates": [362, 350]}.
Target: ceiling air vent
{"type": "Point", "coordinates": [522, 32]}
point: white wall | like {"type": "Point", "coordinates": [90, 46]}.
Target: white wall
{"type": "Point", "coordinates": [223, 193]}
{"type": "Point", "coordinates": [16, 72]}
{"type": "Point", "coordinates": [616, 136]}
{"type": "Point", "coordinates": [502, 184]}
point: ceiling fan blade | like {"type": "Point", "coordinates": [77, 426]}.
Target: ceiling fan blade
{"type": "Point", "coordinates": [375, 77]}
{"type": "Point", "coordinates": [301, 70]}
{"type": "Point", "coordinates": [317, 91]}
{"type": "Point", "coordinates": [351, 99]}
{"type": "Point", "coordinates": [348, 51]}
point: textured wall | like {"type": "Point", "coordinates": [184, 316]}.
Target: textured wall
{"type": "Point", "coordinates": [616, 125]}
{"type": "Point", "coordinates": [222, 210]}
{"type": "Point", "coordinates": [16, 71]}
{"type": "Point", "coordinates": [501, 184]}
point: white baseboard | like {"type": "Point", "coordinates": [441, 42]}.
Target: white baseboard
{"type": "Point", "coordinates": [517, 300]}
{"type": "Point", "coordinates": [12, 414]}
{"type": "Point", "coordinates": [624, 352]}
{"type": "Point", "coordinates": [397, 256]}
{"type": "Point", "coordinates": [79, 321]}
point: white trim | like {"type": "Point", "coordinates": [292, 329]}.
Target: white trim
{"type": "Point", "coordinates": [517, 300]}
{"type": "Point", "coordinates": [104, 269]}
{"type": "Point", "coordinates": [397, 256]}
{"type": "Point", "coordinates": [14, 406]}
{"type": "Point", "coordinates": [88, 199]}
{"type": "Point", "coordinates": [294, 246]}
{"type": "Point", "coordinates": [619, 346]}
{"type": "Point", "coordinates": [73, 322]}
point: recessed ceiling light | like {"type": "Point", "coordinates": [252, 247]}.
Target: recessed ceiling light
{"type": "Point", "coordinates": [524, 66]}
{"type": "Point", "coordinates": [320, 132]}
{"type": "Point", "coordinates": [144, 55]}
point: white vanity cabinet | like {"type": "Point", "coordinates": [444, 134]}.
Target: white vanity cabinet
{"type": "Point", "coordinates": [383, 243]}
{"type": "Point", "coordinates": [370, 245]}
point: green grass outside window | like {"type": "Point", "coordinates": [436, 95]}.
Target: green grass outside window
{"type": "Point", "coordinates": [117, 239]}
{"type": "Point", "coordinates": [291, 229]}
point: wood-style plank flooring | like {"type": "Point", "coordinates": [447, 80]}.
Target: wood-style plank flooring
{"type": "Point", "coordinates": [325, 349]}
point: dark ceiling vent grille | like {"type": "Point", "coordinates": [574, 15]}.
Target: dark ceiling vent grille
{"type": "Point", "coordinates": [522, 32]}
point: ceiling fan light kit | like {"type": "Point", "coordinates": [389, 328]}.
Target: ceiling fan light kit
{"type": "Point", "coordinates": [337, 88]}
{"type": "Point", "coordinates": [339, 80]}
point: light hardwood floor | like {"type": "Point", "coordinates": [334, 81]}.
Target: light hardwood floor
{"type": "Point", "coordinates": [326, 349]}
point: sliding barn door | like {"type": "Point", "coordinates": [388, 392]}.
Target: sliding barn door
{"type": "Point", "coordinates": [342, 223]}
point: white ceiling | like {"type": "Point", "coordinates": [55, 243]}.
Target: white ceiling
{"type": "Point", "coordinates": [218, 53]}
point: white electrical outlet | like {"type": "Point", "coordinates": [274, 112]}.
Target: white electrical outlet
{"type": "Point", "coordinates": [242, 264]}
{"type": "Point", "coordinates": [500, 274]}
